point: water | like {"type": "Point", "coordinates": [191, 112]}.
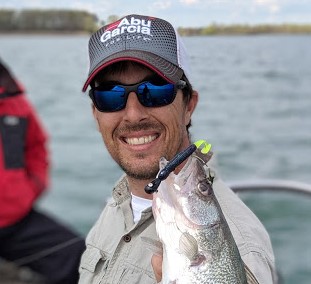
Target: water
{"type": "Point", "coordinates": [255, 103]}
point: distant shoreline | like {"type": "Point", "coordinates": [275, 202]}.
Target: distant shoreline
{"type": "Point", "coordinates": [212, 30]}
{"type": "Point", "coordinates": [81, 33]}
{"type": "Point", "coordinates": [243, 29]}
{"type": "Point", "coordinates": [62, 21]}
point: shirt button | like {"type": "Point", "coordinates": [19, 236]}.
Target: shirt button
{"type": "Point", "coordinates": [127, 238]}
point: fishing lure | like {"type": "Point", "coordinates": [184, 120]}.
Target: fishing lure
{"type": "Point", "coordinates": [175, 162]}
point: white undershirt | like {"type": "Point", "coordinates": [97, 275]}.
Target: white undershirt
{"type": "Point", "coordinates": [138, 205]}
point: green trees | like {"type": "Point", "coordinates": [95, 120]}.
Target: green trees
{"type": "Point", "coordinates": [236, 29]}
{"type": "Point", "coordinates": [56, 20]}
{"type": "Point", "coordinates": [36, 20]}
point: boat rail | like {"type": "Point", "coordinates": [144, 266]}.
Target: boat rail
{"type": "Point", "coordinates": [271, 185]}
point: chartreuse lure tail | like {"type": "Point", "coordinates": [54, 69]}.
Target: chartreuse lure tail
{"type": "Point", "coordinates": [175, 162]}
{"type": "Point", "coordinates": [203, 145]}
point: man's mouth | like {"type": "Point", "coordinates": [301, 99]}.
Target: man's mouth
{"type": "Point", "coordinates": [140, 140]}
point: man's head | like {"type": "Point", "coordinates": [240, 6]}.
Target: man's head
{"type": "Point", "coordinates": [142, 98]}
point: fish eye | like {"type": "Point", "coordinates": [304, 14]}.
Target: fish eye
{"type": "Point", "coordinates": [205, 188]}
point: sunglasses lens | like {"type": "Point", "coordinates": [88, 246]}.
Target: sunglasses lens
{"type": "Point", "coordinates": [110, 99]}
{"type": "Point", "coordinates": [151, 95]}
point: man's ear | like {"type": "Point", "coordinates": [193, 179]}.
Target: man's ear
{"type": "Point", "coordinates": [191, 106]}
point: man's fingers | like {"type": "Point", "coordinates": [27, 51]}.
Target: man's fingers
{"type": "Point", "coordinates": [156, 262]}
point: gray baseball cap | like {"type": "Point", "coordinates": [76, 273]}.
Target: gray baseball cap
{"type": "Point", "coordinates": [150, 41]}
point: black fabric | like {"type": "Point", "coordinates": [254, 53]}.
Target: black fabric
{"type": "Point", "coordinates": [45, 246]}
{"type": "Point", "coordinates": [8, 95]}
{"type": "Point", "coordinates": [7, 82]}
{"type": "Point", "coordinates": [12, 133]}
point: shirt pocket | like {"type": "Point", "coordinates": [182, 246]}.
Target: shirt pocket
{"type": "Point", "coordinates": [93, 265]}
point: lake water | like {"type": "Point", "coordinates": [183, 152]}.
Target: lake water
{"type": "Point", "coordinates": [255, 108]}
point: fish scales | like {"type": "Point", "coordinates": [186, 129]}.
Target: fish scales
{"type": "Point", "coordinates": [198, 246]}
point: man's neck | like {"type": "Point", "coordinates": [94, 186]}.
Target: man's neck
{"type": "Point", "coordinates": [137, 187]}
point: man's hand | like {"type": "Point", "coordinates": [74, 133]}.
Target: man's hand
{"type": "Point", "coordinates": [156, 262]}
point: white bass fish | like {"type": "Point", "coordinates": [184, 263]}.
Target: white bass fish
{"type": "Point", "coordinates": [198, 246]}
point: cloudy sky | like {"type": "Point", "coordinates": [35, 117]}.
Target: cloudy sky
{"type": "Point", "coordinates": [187, 13]}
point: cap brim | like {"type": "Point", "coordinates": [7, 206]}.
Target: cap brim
{"type": "Point", "coordinates": [162, 67]}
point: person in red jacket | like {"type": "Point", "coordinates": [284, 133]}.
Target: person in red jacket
{"type": "Point", "coordinates": [29, 237]}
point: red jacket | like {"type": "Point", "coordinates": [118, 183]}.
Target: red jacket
{"type": "Point", "coordinates": [24, 164]}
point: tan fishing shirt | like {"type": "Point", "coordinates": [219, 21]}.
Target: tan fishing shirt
{"type": "Point", "coordinates": [115, 252]}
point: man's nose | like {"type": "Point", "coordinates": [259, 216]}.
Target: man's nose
{"type": "Point", "coordinates": [134, 110]}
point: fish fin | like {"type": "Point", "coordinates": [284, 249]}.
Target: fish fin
{"type": "Point", "coordinates": [153, 245]}
{"type": "Point", "coordinates": [251, 279]}
{"type": "Point", "coordinates": [188, 246]}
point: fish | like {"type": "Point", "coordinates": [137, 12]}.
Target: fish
{"type": "Point", "coordinates": [198, 246]}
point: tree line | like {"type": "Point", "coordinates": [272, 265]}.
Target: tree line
{"type": "Point", "coordinates": [57, 20]}
{"type": "Point", "coordinates": [54, 20]}
{"type": "Point", "coordinates": [218, 29]}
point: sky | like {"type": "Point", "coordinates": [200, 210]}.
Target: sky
{"type": "Point", "coordinates": [185, 13]}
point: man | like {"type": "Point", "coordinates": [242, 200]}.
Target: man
{"type": "Point", "coordinates": [142, 104]}
{"type": "Point", "coordinates": [28, 237]}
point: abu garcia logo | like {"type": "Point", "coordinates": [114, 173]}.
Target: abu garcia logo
{"type": "Point", "coordinates": [134, 26]}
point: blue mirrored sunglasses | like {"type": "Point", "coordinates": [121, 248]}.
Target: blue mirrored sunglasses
{"type": "Point", "coordinates": [113, 97]}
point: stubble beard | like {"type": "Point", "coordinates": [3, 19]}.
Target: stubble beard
{"type": "Point", "coordinates": [140, 171]}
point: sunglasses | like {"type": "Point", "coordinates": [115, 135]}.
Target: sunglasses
{"type": "Point", "coordinates": [110, 97]}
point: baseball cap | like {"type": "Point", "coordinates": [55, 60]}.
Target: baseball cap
{"type": "Point", "coordinates": [148, 40]}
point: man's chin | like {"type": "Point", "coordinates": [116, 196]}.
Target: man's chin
{"type": "Point", "coordinates": [141, 173]}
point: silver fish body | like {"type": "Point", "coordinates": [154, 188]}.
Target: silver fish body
{"type": "Point", "coordinates": [198, 246]}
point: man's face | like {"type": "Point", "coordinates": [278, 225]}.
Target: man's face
{"type": "Point", "coordinates": [137, 136]}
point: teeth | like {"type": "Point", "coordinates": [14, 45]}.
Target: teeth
{"type": "Point", "coordinates": [140, 140]}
